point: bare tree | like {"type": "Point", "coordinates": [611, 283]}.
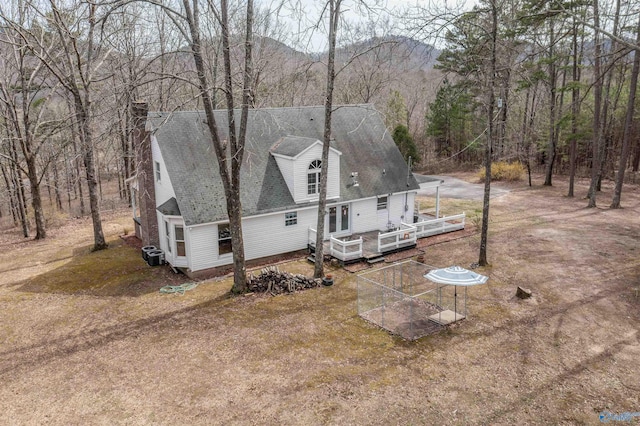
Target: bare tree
{"type": "Point", "coordinates": [25, 96]}
{"type": "Point", "coordinates": [66, 46]}
{"type": "Point", "coordinates": [229, 154]}
{"type": "Point", "coordinates": [493, 34]}
{"type": "Point", "coordinates": [598, 143]}
{"type": "Point", "coordinates": [628, 124]}
{"type": "Point", "coordinates": [576, 60]}
{"type": "Point", "coordinates": [334, 16]}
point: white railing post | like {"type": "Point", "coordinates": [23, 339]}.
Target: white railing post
{"type": "Point", "coordinates": [311, 235]}
{"type": "Point", "coordinates": [340, 249]}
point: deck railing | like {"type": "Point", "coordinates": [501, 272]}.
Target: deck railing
{"type": "Point", "coordinates": [444, 224]}
{"type": "Point", "coordinates": [345, 250]}
{"type": "Point", "coordinates": [311, 237]}
{"type": "Point", "coordinates": [402, 237]}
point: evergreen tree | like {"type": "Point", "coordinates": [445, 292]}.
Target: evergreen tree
{"type": "Point", "coordinates": [448, 118]}
{"type": "Point", "coordinates": [405, 143]}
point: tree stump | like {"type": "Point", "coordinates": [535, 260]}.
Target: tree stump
{"type": "Point", "coordinates": [523, 293]}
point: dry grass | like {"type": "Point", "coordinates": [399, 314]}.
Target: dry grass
{"type": "Point", "coordinates": [88, 339]}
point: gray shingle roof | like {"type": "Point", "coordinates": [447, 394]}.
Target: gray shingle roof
{"type": "Point", "coordinates": [358, 130]}
{"type": "Point", "coordinates": [291, 146]}
{"type": "Point", "coordinates": [169, 207]}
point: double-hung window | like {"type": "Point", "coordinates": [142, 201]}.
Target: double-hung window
{"type": "Point", "coordinates": [313, 177]}
{"type": "Point", "coordinates": [224, 239]}
{"type": "Point", "coordinates": [180, 247]}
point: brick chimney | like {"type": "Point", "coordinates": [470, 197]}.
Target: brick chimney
{"type": "Point", "coordinates": [146, 184]}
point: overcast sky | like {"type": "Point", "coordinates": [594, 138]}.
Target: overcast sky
{"type": "Point", "coordinates": [382, 14]}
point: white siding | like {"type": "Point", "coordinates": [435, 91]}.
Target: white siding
{"type": "Point", "coordinates": [263, 236]}
{"type": "Point", "coordinates": [164, 189]}
{"type": "Point", "coordinates": [268, 235]}
{"type": "Point", "coordinates": [397, 211]}
{"type": "Point", "coordinates": [364, 215]}
{"type": "Point", "coordinates": [203, 247]}
{"type": "Point", "coordinates": [411, 203]}
{"type": "Point", "coordinates": [367, 217]}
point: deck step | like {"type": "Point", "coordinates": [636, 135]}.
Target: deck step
{"type": "Point", "coordinates": [311, 258]}
{"type": "Point", "coordinates": [373, 260]}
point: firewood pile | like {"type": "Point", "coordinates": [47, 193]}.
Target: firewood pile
{"type": "Point", "coordinates": [271, 280]}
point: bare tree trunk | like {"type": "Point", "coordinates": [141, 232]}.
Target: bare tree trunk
{"type": "Point", "coordinates": [482, 258]}
{"type": "Point", "coordinates": [527, 125]}
{"type": "Point", "coordinates": [635, 164]}
{"type": "Point", "coordinates": [229, 174]}
{"type": "Point", "coordinates": [552, 147]}
{"type": "Point", "coordinates": [628, 124]}
{"type": "Point", "coordinates": [16, 176]}
{"type": "Point", "coordinates": [68, 175]}
{"type": "Point", "coordinates": [559, 112]}
{"type": "Point", "coordinates": [524, 147]}
{"type": "Point", "coordinates": [36, 200]}
{"type": "Point", "coordinates": [47, 181]}
{"type": "Point", "coordinates": [575, 108]}
{"type": "Point", "coordinates": [597, 108]}
{"type": "Point", "coordinates": [501, 127]}
{"type": "Point", "coordinates": [607, 108]}
{"type": "Point", "coordinates": [99, 242]}
{"type": "Point", "coordinates": [56, 185]}
{"type": "Point", "coordinates": [334, 15]}
{"type": "Point", "coordinates": [12, 195]}
{"type": "Point", "coordinates": [77, 187]}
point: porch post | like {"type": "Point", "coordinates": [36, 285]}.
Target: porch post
{"type": "Point", "coordinates": [438, 202]}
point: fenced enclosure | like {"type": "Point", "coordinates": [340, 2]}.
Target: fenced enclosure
{"type": "Point", "coordinates": [399, 299]}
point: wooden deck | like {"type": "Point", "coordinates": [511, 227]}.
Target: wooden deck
{"type": "Point", "coordinates": [373, 246]}
{"type": "Point", "coordinates": [370, 251]}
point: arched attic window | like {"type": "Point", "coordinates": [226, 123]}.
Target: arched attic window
{"type": "Point", "coordinates": [313, 177]}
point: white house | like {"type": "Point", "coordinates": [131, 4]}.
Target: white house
{"type": "Point", "coordinates": [369, 185]}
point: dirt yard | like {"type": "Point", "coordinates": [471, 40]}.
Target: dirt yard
{"type": "Point", "coordinates": [87, 338]}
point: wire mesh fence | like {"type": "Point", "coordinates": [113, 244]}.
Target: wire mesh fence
{"type": "Point", "coordinates": [400, 300]}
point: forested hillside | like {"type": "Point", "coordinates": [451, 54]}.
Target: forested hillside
{"type": "Point", "coordinates": [548, 84]}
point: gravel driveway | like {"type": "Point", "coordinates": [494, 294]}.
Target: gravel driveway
{"type": "Point", "coordinates": [457, 188]}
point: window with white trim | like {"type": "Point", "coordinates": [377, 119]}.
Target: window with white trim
{"type": "Point", "coordinates": [290, 218]}
{"type": "Point", "coordinates": [313, 177]}
{"type": "Point", "coordinates": [224, 239]}
{"type": "Point", "coordinates": [383, 203]}
{"type": "Point", "coordinates": [180, 247]}
{"type": "Point", "coordinates": [157, 167]}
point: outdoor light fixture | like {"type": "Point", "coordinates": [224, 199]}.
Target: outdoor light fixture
{"type": "Point", "coordinates": [354, 177]}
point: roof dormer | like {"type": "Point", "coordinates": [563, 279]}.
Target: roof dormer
{"type": "Point", "coordinates": [299, 161]}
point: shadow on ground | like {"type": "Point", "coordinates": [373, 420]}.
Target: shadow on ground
{"type": "Point", "coordinates": [116, 271]}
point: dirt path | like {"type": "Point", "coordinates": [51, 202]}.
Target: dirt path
{"type": "Point", "coordinates": [563, 357]}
